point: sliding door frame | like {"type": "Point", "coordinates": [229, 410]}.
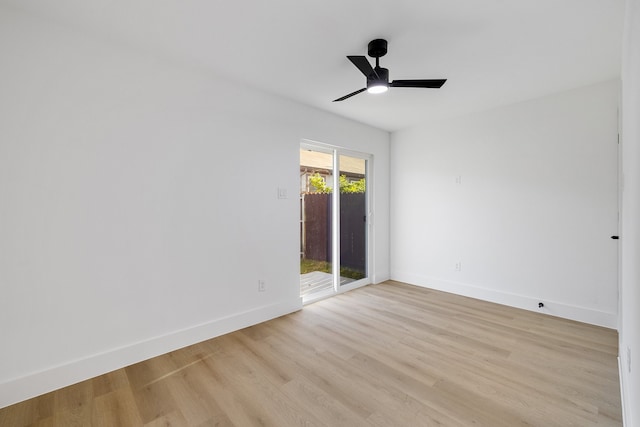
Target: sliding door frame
{"type": "Point", "coordinates": [336, 152]}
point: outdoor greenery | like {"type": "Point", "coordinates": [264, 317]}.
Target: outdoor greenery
{"type": "Point", "coordinates": [346, 186]}
{"type": "Point", "coordinates": [309, 265]}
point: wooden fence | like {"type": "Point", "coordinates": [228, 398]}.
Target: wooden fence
{"type": "Point", "coordinates": [316, 229]}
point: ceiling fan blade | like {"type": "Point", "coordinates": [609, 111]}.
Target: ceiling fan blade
{"type": "Point", "coordinates": [350, 95]}
{"type": "Point", "coordinates": [433, 84]}
{"type": "Point", "coordinates": [363, 65]}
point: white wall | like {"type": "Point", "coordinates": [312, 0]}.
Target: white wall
{"type": "Point", "coordinates": [630, 235]}
{"type": "Point", "coordinates": [138, 204]}
{"type": "Point", "coordinates": [531, 217]}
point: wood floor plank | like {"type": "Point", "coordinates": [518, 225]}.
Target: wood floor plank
{"type": "Point", "coordinates": [28, 412]}
{"type": "Point", "coordinates": [110, 382]}
{"type": "Point", "coordinates": [73, 405]}
{"type": "Point", "coordinates": [117, 408]}
{"type": "Point", "coordinates": [154, 401]}
{"type": "Point", "coordinates": [383, 355]}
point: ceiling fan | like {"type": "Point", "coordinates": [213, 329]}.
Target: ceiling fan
{"type": "Point", "coordinates": [378, 77]}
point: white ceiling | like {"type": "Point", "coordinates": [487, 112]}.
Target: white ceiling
{"type": "Point", "coordinates": [493, 52]}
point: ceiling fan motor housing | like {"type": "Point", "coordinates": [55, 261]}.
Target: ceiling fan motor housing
{"type": "Point", "coordinates": [381, 79]}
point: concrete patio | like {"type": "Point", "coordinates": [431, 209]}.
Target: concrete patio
{"type": "Point", "coordinates": [318, 281]}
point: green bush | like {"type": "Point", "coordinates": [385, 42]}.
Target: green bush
{"type": "Point", "coordinates": [321, 187]}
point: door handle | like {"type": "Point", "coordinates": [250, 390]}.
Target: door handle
{"type": "Point", "coordinates": [615, 237]}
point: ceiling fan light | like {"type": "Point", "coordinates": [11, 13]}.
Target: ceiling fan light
{"type": "Point", "coordinates": [378, 88]}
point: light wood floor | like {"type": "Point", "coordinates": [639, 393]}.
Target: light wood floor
{"type": "Point", "coordinates": [383, 355]}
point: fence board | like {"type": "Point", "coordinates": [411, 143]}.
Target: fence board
{"type": "Point", "coordinates": [317, 229]}
{"type": "Point", "coordinates": [317, 226]}
{"type": "Point", "coordinates": [353, 210]}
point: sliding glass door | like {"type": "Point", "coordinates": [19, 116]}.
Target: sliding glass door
{"type": "Point", "coordinates": [352, 218]}
{"type": "Point", "coordinates": [333, 221]}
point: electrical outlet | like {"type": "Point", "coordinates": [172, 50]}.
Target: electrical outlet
{"type": "Point", "coordinates": [459, 266]}
{"type": "Point", "coordinates": [262, 285]}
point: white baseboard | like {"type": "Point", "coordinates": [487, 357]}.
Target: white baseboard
{"type": "Point", "coordinates": [622, 394]}
{"type": "Point", "coordinates": [553, 308]}
{"type": "Point", "coordinates": [379, 278]}
{"type": "Point", "coordinates": [37, 383]}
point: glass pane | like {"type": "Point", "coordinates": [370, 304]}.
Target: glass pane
{"type": "Point", "coordinates": [316, 182]}
{"type": "Point", "coordinates": [353, 219]}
